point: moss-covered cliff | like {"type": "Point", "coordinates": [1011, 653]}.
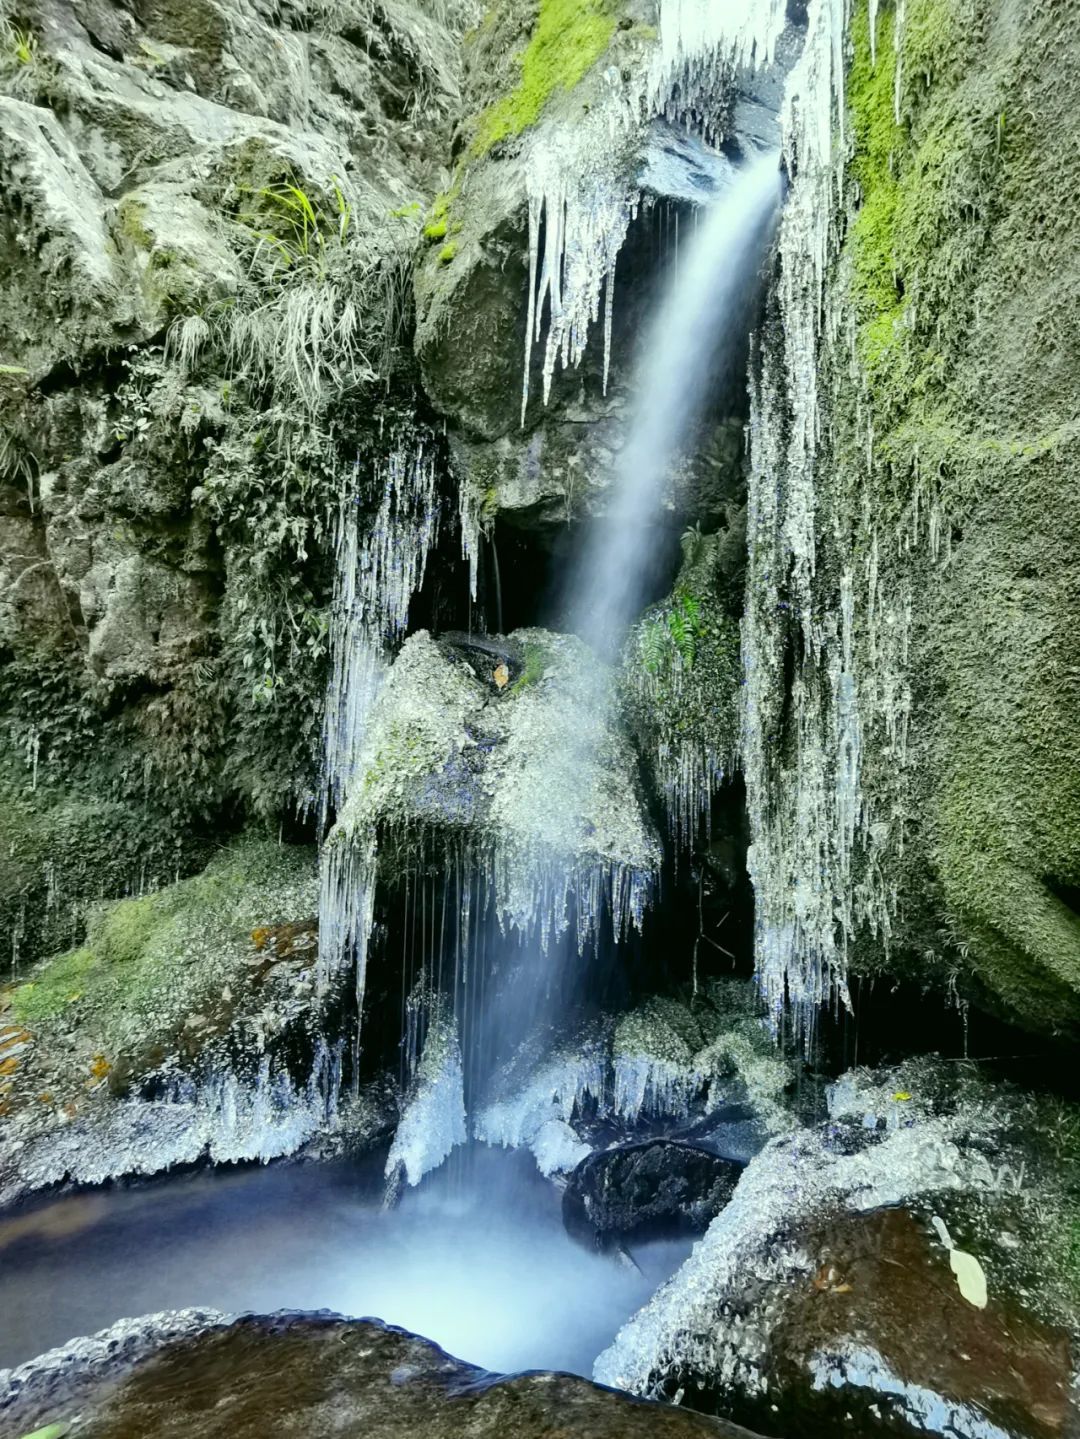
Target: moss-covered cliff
{"type": "Point", "coordinates": [952, 409]}
{"type": "Point", "coordinates": [207, 213]}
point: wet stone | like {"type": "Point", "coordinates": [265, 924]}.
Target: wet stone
{"type": "Point", "coordinates": [296, 1376]}
{"type": "Point", "coordinates": [636, 1191]}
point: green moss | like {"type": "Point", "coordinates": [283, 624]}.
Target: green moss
{"type": "Point", "coordinates": [131, 218]}
{"type": "Point", "coordinates": [876, 139]}
{"type": "Point", "coordinates": [447, 253]}
{"type": "Point", "coordinates": [435, 229]}
{"type": "Point", "coordinates": [59, 985]}
{"type": "Point", "coordinates": [567, 40]}
{"type": "Point", "coordinates": [147, 961]}
{"type": "Point", "coordinates": [957, 261]}
{"type": "Point", "coordinates": [537, 663]}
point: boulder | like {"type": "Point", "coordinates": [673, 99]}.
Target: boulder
{"type": "Point", "coordinates": [636, 1191]}
{"type": "Point", "coordinates": [199, 1376]}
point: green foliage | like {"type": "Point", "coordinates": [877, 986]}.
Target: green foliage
{"type": "Point", "coordinates": [567, 40]}
{"type": "Point", "coordinates": [674, 632]}
{"type": "Point", "coordinates": [447, 253]}
{"type": "Point", "coordinates": [20, 44]}
{"type": "Point", "coordinates": [303, 225]}
{"type": "Point", "coordinates": [435, 230]}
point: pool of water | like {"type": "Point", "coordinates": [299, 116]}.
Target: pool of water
{"type": "Point", "coordinates": [476, 1258]}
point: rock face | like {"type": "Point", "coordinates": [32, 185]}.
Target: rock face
{"type": "Point", "coordinates": [938, 700]}
{"type": "Point", "coordinates": [638, 1190]}
{"type": "Point", "coordinates": [184, 187]}
{"type": "Point", "coordinates": [201, 1377]}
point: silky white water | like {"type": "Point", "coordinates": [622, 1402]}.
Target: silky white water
{"type": "Point", "coordinates": [681, 350]}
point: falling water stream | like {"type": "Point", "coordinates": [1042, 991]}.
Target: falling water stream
{"type": "Point", "coordinates": [680, 353]}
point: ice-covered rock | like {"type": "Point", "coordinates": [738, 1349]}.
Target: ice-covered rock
{"type": "Point", "coordinates": [520, 769]}
{"type": "Point", "coordinates": [829, 1255]}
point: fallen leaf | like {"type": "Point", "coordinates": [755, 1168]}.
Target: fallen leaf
{"type": "Point", "coordinates": [501, 676]}
{"type": "Point", "coordinates": [970, 1277]}
{"type": "Point", "coordinates": [8, 1066]}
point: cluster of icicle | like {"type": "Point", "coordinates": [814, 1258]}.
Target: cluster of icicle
{"type": "Point", "coordinates": [217, 1115]}
{"type": "Point", "coordinates": [817, 585]}
{"type": "Point", "coordinates": [580, 199]}
{"type": "Point", "coordinates": [378, 569]}
{"type": "Point", "coordinates": [802, 768]}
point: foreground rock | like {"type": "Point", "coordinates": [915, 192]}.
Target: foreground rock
{"type": "Point", "coordinates": [198, 1376]}
{"type": "Point", "coordinates": [637, 1190]}
{"type": "Point", "coordinates": [906, 1267]}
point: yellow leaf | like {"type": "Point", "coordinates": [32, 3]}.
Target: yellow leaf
{"type": "Point", "coordinates": [901, 1095]}
{"type": "Point", "coordinates": [501, 676]}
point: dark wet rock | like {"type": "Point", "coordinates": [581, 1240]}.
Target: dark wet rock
{"type": "Point", "coordinates": [904, 1268]}
{"type": "Point", "coordinates": [198, 1376]}
{"type": "Point", "coordinates": [636, 1190]}
{"type": "Point", "coordinates": [876, 1327]}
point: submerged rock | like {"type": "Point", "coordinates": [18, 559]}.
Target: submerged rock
{"type": "Point", "coordinates": [199, 1376]}
{"type": "Point", "coordinates": [637, 1190]}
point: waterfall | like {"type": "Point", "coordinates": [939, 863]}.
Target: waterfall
{"type": "Point", "coordinates": [677, 363]}
{"type": "Point", "coordinates": [580, 203]}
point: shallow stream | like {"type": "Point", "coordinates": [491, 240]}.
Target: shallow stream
{"type": "Point", "coordinates": [475, 1258]}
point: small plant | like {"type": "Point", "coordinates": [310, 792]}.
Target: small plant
{"type": "Point", "coordinates": [302, 225]}
{"type": "Point", "coordinates": [22, 45]}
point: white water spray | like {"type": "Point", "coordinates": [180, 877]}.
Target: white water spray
{"type": "Point", "coordinates": [678, 362]}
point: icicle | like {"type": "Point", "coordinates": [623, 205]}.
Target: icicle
{"type": "Point", "coordinates": [802, 769]}
{"type": "Point", "coordinates": [377, 573]}
{"type": "Point", "coordinates": [576, 187]}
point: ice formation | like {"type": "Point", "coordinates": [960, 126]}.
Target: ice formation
{"type": "Point", "coordinates": [218, 1115]}
{"type": "Point", "coordinates": [802, 774]}
{"type": "Point", "coordinates": [581, 198]}
{"type": "Point", "coordinates": [433, 1122]}
{"type": "Point", "coordinates": [533, 801]}
{"type": "Point", "coordinates": [377, 572]}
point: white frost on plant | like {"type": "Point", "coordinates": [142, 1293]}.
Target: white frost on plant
{"type": "Point", "coordinates": [224, 1117]}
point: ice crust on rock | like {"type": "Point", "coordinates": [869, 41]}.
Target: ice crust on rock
{"type": "Point", "coordinates": [533, 792]}
{"type": "Point", "coordinates": [657, 1062]}
{"type": "Point", "coordinates": [220, 1115]}
{"type": "Point", "coordinates": [31, 1387]}
{"type": "Point", "coordinates": [689, 1325]}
